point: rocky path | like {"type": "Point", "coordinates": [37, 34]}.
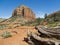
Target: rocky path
{"type": "Point", "coordinates": [17, 39]}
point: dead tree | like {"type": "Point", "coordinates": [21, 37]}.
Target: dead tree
{"type": "Point", "coordinates": [52, 39]}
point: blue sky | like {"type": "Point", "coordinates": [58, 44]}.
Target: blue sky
{"type": "Point", "coordinates": [39, 7]}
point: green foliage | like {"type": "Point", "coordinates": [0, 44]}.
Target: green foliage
{"type": "Point", "coordinates": [55, 17]}
{"type": "Point", "coordinates": [14, 18]}
{"type": "Point", "coordinates": [42, 21]}
{"type": "Point", "coordinates": [53, 24]}
{"type": "Point", "coordinates": [6, 34]}
{"type": "Point", "coordinates": [38, 21]}
{"type": "Point", "coordinates": [2, 19]}
{"type": "Point", "coordinates": [2, 26]}
{"type": "Point", "coordinates": [52, 19]}
{"type": "Point", "coordinates": [45, 16]}
{"type": "Point", "coordinates": [33, 22]}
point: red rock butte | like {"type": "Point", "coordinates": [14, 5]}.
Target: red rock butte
{"type": "Point", "coordinates": [25, 12]}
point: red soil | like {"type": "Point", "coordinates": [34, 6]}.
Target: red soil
{"type": "Point", "coordinates": [18, 35]}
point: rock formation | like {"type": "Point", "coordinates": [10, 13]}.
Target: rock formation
{"type": "Point", "coordinates": [45, 36]}
{"type": "Point", "coordinates": [25, 12]}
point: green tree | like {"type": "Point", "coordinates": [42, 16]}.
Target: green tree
{"type": "Point", "coordinates": [45, 16]}
{"type": "Point", "coordinates": [38, 20]}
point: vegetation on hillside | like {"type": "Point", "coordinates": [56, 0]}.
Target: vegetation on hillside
{"type": "Point", "coordinates": [51, 20]}
{"type": "Point", "coordinates": [6, 34]}
{"type": "Point", "coordinates": [1, 19]}
{"type": "Point", "coordinates": [12, 22]}
{"type": "Point", "coordinates": [2, 26]}
{"type": "Point", "coordinates": [33, 22]}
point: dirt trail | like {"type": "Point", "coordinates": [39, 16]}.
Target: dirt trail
{"type": "Point", "coordinates": [17, 38]}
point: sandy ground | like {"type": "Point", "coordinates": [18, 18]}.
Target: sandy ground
{"type": "Point", "coordinates": [18, 35]}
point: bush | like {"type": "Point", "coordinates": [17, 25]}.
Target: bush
{"type": "Point", "coordinates": [6, 34]}
{"type": "Point", "coordinates": [2, 26]}
{"type": "Point", "coordinates": [52, 25]}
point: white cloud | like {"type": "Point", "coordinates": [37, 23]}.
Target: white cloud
{"type": "Point", "coordinates": [40, 14]}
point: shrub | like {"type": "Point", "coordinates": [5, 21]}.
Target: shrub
{"type": "Point", "coordinates": [52, 25]}
{"type": "Point", "coordinates": [6, 34]}
{"type": "Point", "coordinates": [2, 26]}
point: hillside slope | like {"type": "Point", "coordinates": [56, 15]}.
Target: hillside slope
{"type": "Point", "coordinates": [54, 16]}
{"type": "Point", "coordinates": [14, 21]}
{"type": "Point", "coordinates": [1, 19]}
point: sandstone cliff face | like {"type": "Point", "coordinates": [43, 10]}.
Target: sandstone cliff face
{"type": "Point", "coordinates": [25, 12]}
